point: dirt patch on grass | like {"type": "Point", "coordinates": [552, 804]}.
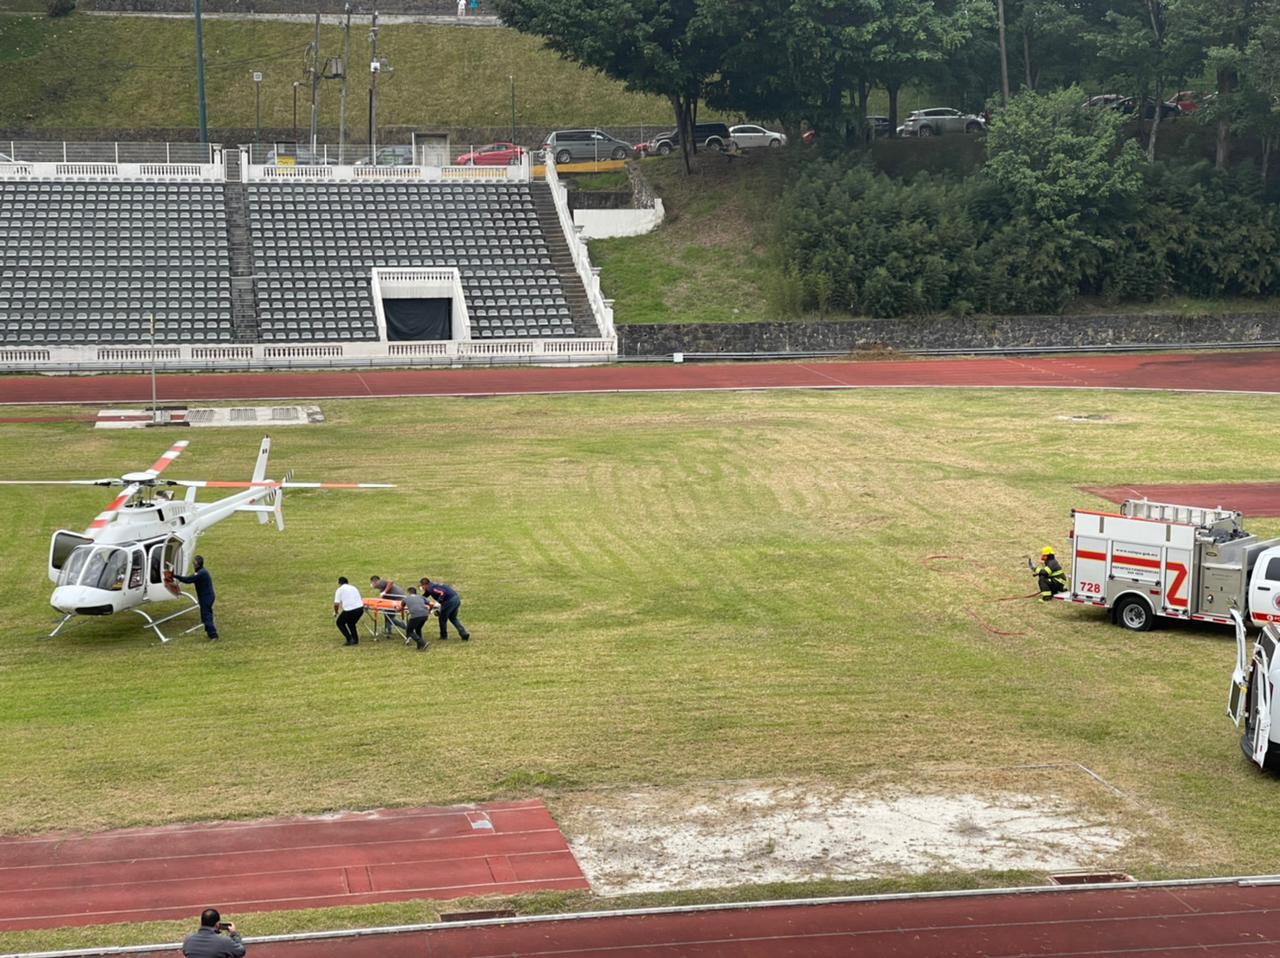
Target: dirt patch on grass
{"type": "Point", "coordinates": [657, 839]}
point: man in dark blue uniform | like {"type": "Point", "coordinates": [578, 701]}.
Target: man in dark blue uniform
{"type": "Point", "coordinates": [204, 595]}
{"type": "Point", "coordinates": [448, 601]}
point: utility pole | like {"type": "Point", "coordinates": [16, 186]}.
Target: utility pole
{"type": "Point", "coordinates": [342, 103]}
{"type": "Point", "coordinates": [513, 107]}
{"type": "Point", "coordinates": [313, 66]}
{"type": "Point", "coordinates": [373, 89]}
{"type": "Point", "coordinates": [204, 122]}
{"type": "Point", "coordinates": [1004, 54]}
{"type": "Point", "coordinates": [257, 108]}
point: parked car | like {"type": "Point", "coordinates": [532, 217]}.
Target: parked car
{"type": "Point", "coordinates": [879, 126]}
{"type": "Point", "coordinates": [391, 156]}
{"type": "Point", "coordinates": [941, 119]}
{"type": "Point", "coordinates": [748, 136]}
{"type": "Point", "coordinates": [711, 136]}
{"type": "Point", "coordinates": [1126, 104]}
{"type": "Point", "coordinates": [492, 154]}
{"type": "Point", "coordinates": [568, 146]}
{"type": "Point", "coordinates": [300, 156]}
{"type": "Point", "coordinates": [1168, 109]}
{"type": "Point", "coordinates": [1110, 100]}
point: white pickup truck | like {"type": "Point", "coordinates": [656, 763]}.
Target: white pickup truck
{"type": "Point", "coordinates": [1181, 562]}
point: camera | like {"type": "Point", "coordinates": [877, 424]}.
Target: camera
{"type": "Point", "coordinates": [224, 926]}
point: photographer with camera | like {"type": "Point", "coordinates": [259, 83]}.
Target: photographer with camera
{"type": "Point", "coordinates": [214, 938]}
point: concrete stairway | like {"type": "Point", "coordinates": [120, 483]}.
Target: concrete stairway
{"type": "Point", "coordinates": [584, 321]}
{"type": "Point", "coordinates": [244, 307]}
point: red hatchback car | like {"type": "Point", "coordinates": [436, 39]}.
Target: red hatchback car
{"type": "Point", "coordinates": [494, 154]}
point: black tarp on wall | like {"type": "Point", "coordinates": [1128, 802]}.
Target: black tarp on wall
{"type": "Point", "coordinates": [417, 319]}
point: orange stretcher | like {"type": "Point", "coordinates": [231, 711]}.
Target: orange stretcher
{"type": "Point", "coordinates": [392, 610]}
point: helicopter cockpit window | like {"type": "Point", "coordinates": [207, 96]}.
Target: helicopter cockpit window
{"type": "Point", "coordinates": [74, 565]}
{"type": "Point", "coordinates": [101, 567]}
{"type": "Point", "coordinates": [136, 568]}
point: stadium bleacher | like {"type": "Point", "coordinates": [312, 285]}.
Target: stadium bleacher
{"type": "Point", "coordinates": [313, 245]}
{"type": "Point", "coordinates": [85, 262]}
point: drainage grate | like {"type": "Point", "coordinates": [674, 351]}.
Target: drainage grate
{"type": "Point", "coordinates": [200, 415]}
{"type": "Point", "coordinates": [247, 414]}
{"type": "Point", "coordinates": [1090, 878]}
{"type": "Point", "coordinates": [477, 915]}
{"type": "Point", "coordinates": [284, 413]}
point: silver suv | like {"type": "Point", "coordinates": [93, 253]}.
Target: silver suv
{"type": "Point", "coordinates": [569, 146]}
{"type": "Point", "coordinates": [939, 120]}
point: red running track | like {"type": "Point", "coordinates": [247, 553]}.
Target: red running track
{"type": "Point", "coordinates": [354, 858]}
{"type": "Point", "coordinates": [1251, 498]}
{"type": "Point", "coordinates": [1170, 921]}
{"type": "Point", "coordinates": [1252, 371]}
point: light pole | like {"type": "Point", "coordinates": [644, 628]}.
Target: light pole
{"type": "Point", "coordinates": [512, 80]}
{"type": "Point", "coordinates": [296, 84]}
{"type": "Point", "coordinates": [257, 108]}
{"type": "Point", "coordinates": [204, 125]}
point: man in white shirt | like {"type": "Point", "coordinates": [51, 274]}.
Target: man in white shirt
{"type": "Point", "coordinates": [348, 607]}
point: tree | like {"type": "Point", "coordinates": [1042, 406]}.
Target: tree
{"type": "Point", "coordinates": [1054, 158]}
{"type": "Point", "coordinates": [664, 47]}
{"type": "Point", "coordinates": [911, 37]}
{"type": "Point", "coordinates": [1262, 78]}
{"type": "Point", "coordinates": [1220, 31]}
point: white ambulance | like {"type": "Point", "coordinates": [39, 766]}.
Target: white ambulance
{"type": "Point", "coordinates": [1182, 562]}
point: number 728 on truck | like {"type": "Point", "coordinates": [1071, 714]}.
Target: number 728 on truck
{"type": "Point", "coordinates": [1180, 562]}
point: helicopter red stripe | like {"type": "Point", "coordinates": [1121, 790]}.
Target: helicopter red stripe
{"type": "Point", "coordinates": [105, 516]}
{"type": "Point", "coordinates": [174, 452]}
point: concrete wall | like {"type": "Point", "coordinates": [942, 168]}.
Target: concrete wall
{"type": "Point", "coordinates": [946, 333]}
{"type": "Point", "coordinates": [604, 224]}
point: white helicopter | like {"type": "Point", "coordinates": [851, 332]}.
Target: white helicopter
{"type": "Point", "coordinates": [127, 555]}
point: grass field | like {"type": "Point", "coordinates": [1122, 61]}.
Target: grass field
{"type": "Point", "coordinates": [663, 590]}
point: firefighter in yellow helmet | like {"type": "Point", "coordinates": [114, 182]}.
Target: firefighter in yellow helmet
{"type": "Point", "coordinates": [1053, 578]}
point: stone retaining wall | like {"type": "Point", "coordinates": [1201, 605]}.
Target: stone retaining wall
{"type": "Point", "coordinates": [945, 333]}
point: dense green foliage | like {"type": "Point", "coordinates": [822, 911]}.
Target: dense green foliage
{"type": "Point", "coordinates": [1063, 207]}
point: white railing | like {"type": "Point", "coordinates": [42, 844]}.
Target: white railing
{"type": "Point", "coordinates": [422, 282]}
{"type": "Point", "coordinates": [601, 308]}
{"type": "Point", "coordinates": [211, 356]}
{"type": "Point", "coordinates": [316, 173]}
{"type": "Point", "coordinates": [200, 172]}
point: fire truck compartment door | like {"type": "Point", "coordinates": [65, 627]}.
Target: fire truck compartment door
{"type": "Point", "coordinates": [1089, 566]}
{"type": "Point", "coordinates": [1264, 588]}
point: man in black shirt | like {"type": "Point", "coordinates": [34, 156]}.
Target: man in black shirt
{"type": "Point", "coordinates": [204, 595]}
{"type": "Point", "coordinates": [208, 941]}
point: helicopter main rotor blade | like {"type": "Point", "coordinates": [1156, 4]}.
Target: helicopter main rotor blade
{"type": "Point", "coordinates": [269, 484]}
{"type": "Point", "coordinates": [61, 482]}
{"type": "Point", "coordinates": [147, 476]}
{"type": "Point", "coordinates": [107, 515]}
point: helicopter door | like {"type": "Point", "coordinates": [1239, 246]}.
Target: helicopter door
{"type": "Point", "coordinates": [162, 556]}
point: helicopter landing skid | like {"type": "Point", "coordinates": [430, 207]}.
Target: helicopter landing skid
{"type": "Point", "coordinates": [154, 624]}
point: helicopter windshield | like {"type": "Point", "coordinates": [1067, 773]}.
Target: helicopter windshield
{"type": "Point", "coordinates": [96, 567]}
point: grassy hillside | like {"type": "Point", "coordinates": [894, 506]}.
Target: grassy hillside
{"type": "Point", "coordinates": [128, 72]}
{"type": "Point", "coordinates": [662, 590]}
{"type": "Point", "coordinates": [712, 260]}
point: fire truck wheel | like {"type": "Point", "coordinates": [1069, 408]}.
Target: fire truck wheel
{"type": "Point", "coordinates": [1134, 614]}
